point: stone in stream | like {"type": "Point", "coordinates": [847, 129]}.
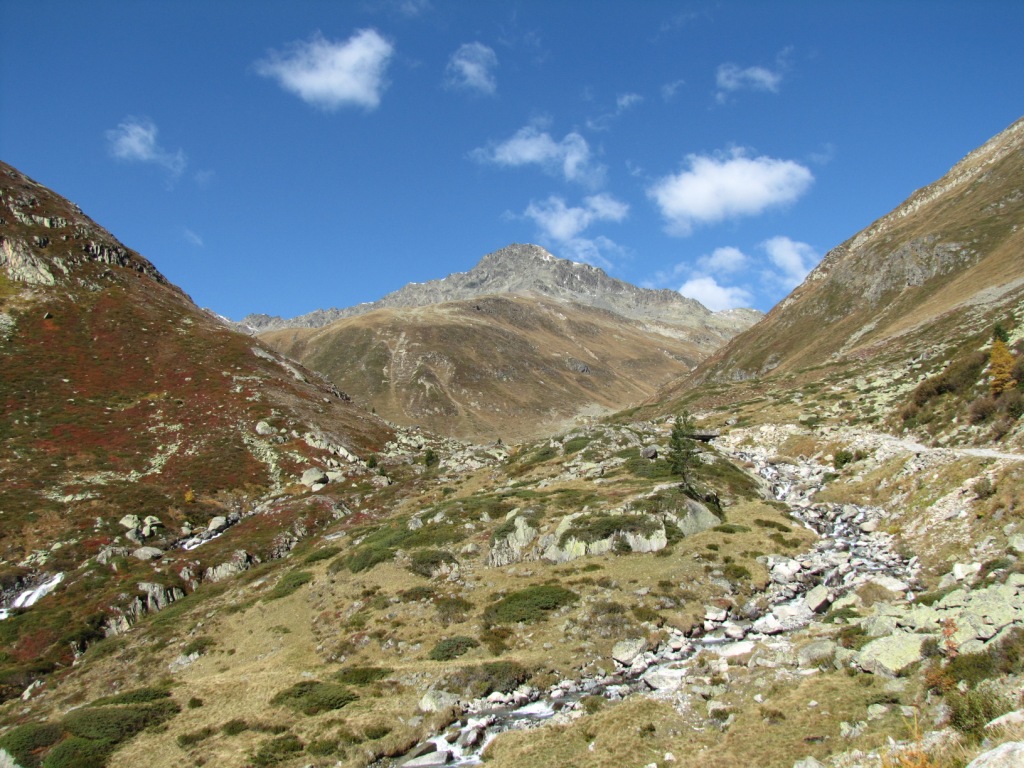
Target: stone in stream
{"type": "Point", "coordinates": [626, 651]}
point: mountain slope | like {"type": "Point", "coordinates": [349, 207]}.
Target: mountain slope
{"type": "Point", "coordinates": [497, 366]}
{"type": "Point", "coordinates": [951, 252]}
{"type": "Point", "coordinates": [121, 397]}
{"type": "Point", "coordinates": [519, 346]}
{"type": "Point", "coordinates": [529, 270]}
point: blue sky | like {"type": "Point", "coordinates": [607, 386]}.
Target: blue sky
{"type": "Point", "coordinates": [282, 157]}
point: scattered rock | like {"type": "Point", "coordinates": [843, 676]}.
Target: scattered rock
{"type": "Point", "coordinates": [436, 700]}
{"type": "Point", "coordinates": [147, 553]}
{"type": "Point", "coordinates": [314, 476]}
{"type": "Point", "coordinates": [1008, 755]}
{"type": "Point", "coordinates": [890, 655]}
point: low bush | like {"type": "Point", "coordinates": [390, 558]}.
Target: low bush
{"type": "Point", "coordinates": [361, 675]}
{"type": "Point", "coordinates": [530, 604]}
{"type": "Point", "coordinates": [452, 647]}
{"type": "Point", "coordinates": [425, 562]}
{"type": "Point", "coordinates": [76, 752]}
{"type": "Point", "coordinates": [971, 710]}
{"type": "Point", "coordinates": [278, 750]}
{"type": "Point", "coordinates": [200, 645]}
{"type": "Point", "coordinates": [25, 742]}
{"type": "Point", "coordinates": [452, 609]}
{"type": "Point", "coordinates": [485, 679]}
{"type": "Point", "coordinates": [288, 583]}
{"type": "Point", "coordinates": [326, 553]}
{"type": "Point", "coordinates": [311, 697]}
{"type": "Point", "coordinates": [190, 739]}
{"type": "Point", "coordinates": [376, 731]}
{"type": "Point", "coordinates": [114, 724]}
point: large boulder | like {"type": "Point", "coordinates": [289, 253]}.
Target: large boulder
{"type": "Point", "coordinates": [1008, 755]}
{"type": "Point", "coordinates": [891, 655]}
{"type": "Point", "coordinates": [625, 651]}
{"type": "Point", "coordinates": [436, 700]}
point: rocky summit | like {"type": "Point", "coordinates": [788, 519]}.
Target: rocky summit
{"type": "Point", "coordinates": [802, 551]}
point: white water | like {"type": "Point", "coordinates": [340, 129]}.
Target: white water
{"type": "Point", "coordinates": [29, 597]}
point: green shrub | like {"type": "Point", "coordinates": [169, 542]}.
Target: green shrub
{"type": "Point", "coordinates": [361, 675]}
{"type": "Point", "coordinates": [376, 731]}
{"type": "Point", "coordinates": [288, 583]}
{"type": "Point", "coordinates": [115, 724]}
{"type": "Point", "coordinates": [325, 553]}
{"type": "Point", "coordinates": [452, 647]}
{"type": "Point", "coordinates": [186, 740]}
{"type": "Point", "coordinates": [495, 639]}
{"type": "Point", "coordinates": [452, 609]}
{"type": "Point", "coordinates": [731, 528]}
{"type": "Point", "coordinates": [200, 645]}
{"type": "Point", "coordinates": [575, 444]}
{"type": "Point", "coordinates": [77, 752]}
{"type": "Point", "coordinates": [194, 702]}
{"type": "Point", "coordinates": [24, 742]}
{"type": "Point", "coordinates": [311, 697]}
{"type": "Point", "coordinates": [484, 679]}
{"type": "Point", "coordinates": [322, 747]}
{"type": "Point", "coordinates": [415, 594]}
{"type": "Point", "coordinates": [425, 562]}
{"type": "Point", "coordinates": [971, 710]}
{"type": "Point", "coordinates": [736, 572]}
{"type": "Point", "coordinates": [530, 604]}
{"type": "Point", "coordinates": [234, 727]}
{"type": "Point", "coordinates": [277, 750]}
{"type": "Point", "coordinates": [597, 527]}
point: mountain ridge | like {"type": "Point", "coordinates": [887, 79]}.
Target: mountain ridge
{"type": "Point", "coordinates": [526, 269]}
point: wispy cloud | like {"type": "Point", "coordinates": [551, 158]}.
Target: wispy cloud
{"type": "Point", "coordinates": [135, 140]}
{"type": "Point", "coordinates": [193, 238]}
{"type": "Point", "coordinates": [569, 158]}
{"type": "Point", "coordinates": [471, 67]}
{"type": "Point", "coordinates": [562, 226]}
{"type": "Point", "coordinates": [718, 187]}
{"type": "Point", "coordinates": [623, 103]}
{"type": "Point", "coordinates": [669, 90]}
{"type": "Point", "coordinates": [331, 75]}
{"type": "Point", "coordinates": [731, 77]}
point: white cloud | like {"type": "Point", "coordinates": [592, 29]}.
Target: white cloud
{"type": "Point", "coordinates": [330, 74]}
{"type": "Point", "coordinates": [715, 188]}
{"type": "Point", "coordinates": [562, 225]}
{"type": "Point", "coordinates": [193, 238]}
{"type": "Point", "coordinates": [792, 259]}
{"type": "Point", "coordinates": [472, 67]}
{"type": "Point", "coordinates": [715, 297]}
{"type": "Point", "coordinates": [732, 77]}
{"type": "Point", "coordinates": [135, 140]}
{"type": "Point", "coordinates": [726, 259]}
{"type": "Point", "coordinates": [569, 157]}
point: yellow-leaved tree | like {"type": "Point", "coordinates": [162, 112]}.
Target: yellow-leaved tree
{"type": "Point", "coordinates": [1000, 368]}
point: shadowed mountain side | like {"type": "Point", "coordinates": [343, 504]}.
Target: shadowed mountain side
{"type": "Point", "coordinates": [498, 366]}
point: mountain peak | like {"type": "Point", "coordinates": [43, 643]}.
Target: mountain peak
{"type": "Point", "coordinates": [525, 269]}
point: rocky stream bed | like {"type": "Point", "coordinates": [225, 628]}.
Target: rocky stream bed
{"type": "Point", "coordinates": [850, 551]}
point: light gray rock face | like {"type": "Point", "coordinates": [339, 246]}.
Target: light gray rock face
{"type": "Point", "coordinates": [217, 524]}
{"type": "Point", "coordinates": [436, 700]}
{"type": "Point", "coordinates": [147, 553]}
{"type": "Point", "coordinates": [429, 760]}
{"type": "Point", "coordinates": [264, 429]}
{"type": "Point", "coordinates": [890, 655]}
{"type": "Point", "coordinates": [510, 547]}
{"type": "Point", "coordinates": [130, 522]}
{"type": "Point", "coordinates": [240, 561]}
{"type": "Point", "coordinates": [625, 651]}
{"type": "Point", "coordinates": [818, 598]}
{"type": "Point", "coordinates": [696, 519]}
{"type": "Point", "coordinates": [808, 762]}
{"type": "Point", "coordinates": [314, 476]}
{"type": "Point", "coordinates": [1008, 755]}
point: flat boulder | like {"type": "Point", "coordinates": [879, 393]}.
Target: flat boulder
{"type": "Point", "coordinates": [891, 655]}
{"type": "Point", "coordinates": [147, 553]}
